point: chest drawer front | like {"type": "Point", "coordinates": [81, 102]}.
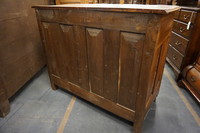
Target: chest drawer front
{"type": "Point", "coordinates": [186, 16]}
{"type": "Point", "coordinates": [193, 77]}
{"type": "Point", "coordinates": [198, 63]}
{"type": "Point", "coordinates": [181, 28]}
{"type": "Point", "coordinates": [175, 57]}
{"type": "Point", "coordinates": [176, 14]}
{"type": "Point", "coordinates": [179, 43]}
{"type": "Point", "coordinates": [198, 60]}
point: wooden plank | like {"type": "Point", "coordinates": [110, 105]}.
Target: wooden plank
{"type": "Point", "coordinates": [155, 62]}
{"type": "Point", "coordinates": [161, 9]}
{"type": "Point", "coordinates": [131, 45]}
{"type": "Point", "coordinates": [63, 51]}
{"type": "Point", "coordinates": [69, 54]}
{"type": "Point", "coordinates": [110, 20]}
{"type": "Point", "coordinates": [49, 39]}
{"type": "Point", "coordinates": [111, 64]}
{"type": "Point", "coordinates": [164, 47]}
{"type": "Point", "coordinates": [96, 99]}
{"type": "Point", "coordinates": [95, 43]}
{"type": "Point", "coordinates": [83, 75]}
{"type": "Point", "coordinates": [147, 57]}
{"type": "Point", "coordinates": [42, 37]}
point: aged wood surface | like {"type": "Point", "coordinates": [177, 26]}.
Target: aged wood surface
{"type": "Point", "coordinates": [4, 103]}
{"type": "Point", "coordinates": [191, 79]}
{"type": "Point", "coordinates": [164, 2]}
{"type": "Point", "coordinates": [185, 40]}
{"type": "Point", "coordinates": [21, 53]}
{"type": "Point", "coordinates": [107, 58]}
{"type": "Point", "coordinates": [157, 9]}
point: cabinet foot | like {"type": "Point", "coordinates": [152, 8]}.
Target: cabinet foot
{"type": "Point", "coordinates": [53, 86]}
{"type": "Point", "coordinates": [137, 127]}
{"type": "Point", "coordinates": [154, 100]}
{"type": "Point", "coordinates": [180, 84]}
{"type": "Point", "coordinates": [4, 108]}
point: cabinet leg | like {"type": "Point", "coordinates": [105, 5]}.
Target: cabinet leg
{"type": "Point", "coordinates": [154, 100]}
{"type": "Point", "coordinates": [137, 127]}
{"type": "Point", "coordinates": [180, 84]}
{"type": "Point", "coordinates": [4, 108]}
{"type": "Point", "coordinates": [53, 86]}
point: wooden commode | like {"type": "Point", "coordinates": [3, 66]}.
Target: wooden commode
{"type": "Point", "coordinates": [191, 78]}
{"type": "Point", "coordinates": [110, 55]}
{"type": "Point", "coordinates": [185, 39]}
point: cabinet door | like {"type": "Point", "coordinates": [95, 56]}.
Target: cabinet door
{"type": "Point", "coordinates": [66, 51]}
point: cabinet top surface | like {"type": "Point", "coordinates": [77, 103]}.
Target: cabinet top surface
{"type": "Point", "coordinates": [157, 9]}
{"type": "Point", "coordinates": [190, 8]}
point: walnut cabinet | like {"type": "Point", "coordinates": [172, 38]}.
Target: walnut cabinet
{"type": "Point", "coordinates": [110, 55]}
{"type": "Point", "coordinates": [191, 79]}
{"type": "Point", "coordinates": [184, 43]}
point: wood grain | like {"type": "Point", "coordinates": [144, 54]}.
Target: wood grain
{"type": "Point", "coordinates": [122, 55]}
{"type": "Point", "coordinates": [95, 43]}
{"type": "Point", "coordinates": [111, 64]}
{"type": "Point", "coordinates": [130, 61]}
{"type": "Point", "coordinates": [82, 56]}
{"type": "Point", "coordinates": [161, 9]}
{"type": "Point", "coordinates": [21, 52]}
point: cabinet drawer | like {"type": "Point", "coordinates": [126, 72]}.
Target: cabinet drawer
{"type": "Point", "coordinates": [181, 28]}
{"type": "Point", "coordinates": [176, 14]}
{"type": "Point", "coordinates": [198, 63]}
{"type": "Point", "coordinates": [185, 16]}
{"type": "Point", "coordinates": [193, 77]}
{"type": "Point", "coordinates": [175, 57]}
{"type": "Point", "coordinates": [179, 43]}
{"type": "Point", "coordinates": [198, 60]}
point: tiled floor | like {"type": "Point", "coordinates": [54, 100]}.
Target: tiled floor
{"type": "Point", "coordinates": [38, 109]}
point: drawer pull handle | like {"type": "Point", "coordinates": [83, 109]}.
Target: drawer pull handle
{"type": "Point", "coordinates": [174, 57]}
{"type": "Point", "coordinates": [178, 43]}
{"type": "Point", "coordinates": [182, 29]}
{"type": "Point", "coordinates": [186, 17]}
{"type": "Point", "coordinates": [192, 79]}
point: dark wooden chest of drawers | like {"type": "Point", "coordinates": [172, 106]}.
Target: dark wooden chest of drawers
{"type": "Point", "coordinates": [185, 39]}
{"type": "Point", "coordinates": [110, 55]}
{"type": "Point", "coordinates": [191, 79]}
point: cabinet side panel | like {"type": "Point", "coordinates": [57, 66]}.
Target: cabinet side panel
{"type": "Point", "coordinates": [111, 64]}
{"type": "Point", "coordinates": [158, 61]}
{"type": "Point", "coordinates": [95, 43]}
{"type": "Point", "coordinates": [153, 70]}
{"type": "Point", "coordinates": [130, 61]}
{"type": "Point", "coordinates": [147, 58]}
{"type": "Point", "coordinates": [49, 46]}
